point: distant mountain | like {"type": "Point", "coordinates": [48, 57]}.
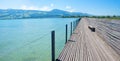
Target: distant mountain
{"type": "Point", "coordinates": [19, 14]}
{"type": "Point", "coordinates": [66, 13]}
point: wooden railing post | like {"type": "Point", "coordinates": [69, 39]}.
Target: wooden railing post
{"type": "Point", "coordinates": [73, 25]}
{"type": "Point", "coordinates": [66, 33]}
{"type": "Point", "coordinates": [53, 45]}
{"type": "Point", "coordinates": [71, 29]}
{"type": "Point", "coordinates": [76, 23]}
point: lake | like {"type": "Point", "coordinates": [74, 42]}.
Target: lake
{"type": "Point", "coordinates": [30, 39]}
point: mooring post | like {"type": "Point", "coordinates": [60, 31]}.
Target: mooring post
{"type": "Point", "coordinates": [76, 23]}
{"type": "Point", "coordinates": [71, 29]}
{"type": "Point", "coordinates": [66, 33]}
{"type": "Point", "coordinates": [73, 25]}
{"type": "Point", "coordinates": [79, 20]}
{"type": "Point", "coordinates": [53, 45]}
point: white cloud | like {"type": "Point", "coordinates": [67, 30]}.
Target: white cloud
{"type": "Point", "coordinates": [43, 8]}
{"type": "Point", "coordinates": [24, 7]}
{"type": "Point", "coordinates": [51, 4]}
{"type": "Point", "coordinates": [70, 9]}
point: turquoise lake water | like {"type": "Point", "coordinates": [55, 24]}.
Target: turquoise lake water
{"type": "Point", "coordinates": [30, 39]}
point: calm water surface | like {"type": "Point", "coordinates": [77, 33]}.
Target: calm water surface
{"type": "Point", "coordinates": [29, 39]}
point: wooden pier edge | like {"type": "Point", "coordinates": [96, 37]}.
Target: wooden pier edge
{"type": "Point", "coordinates": [85, 45]}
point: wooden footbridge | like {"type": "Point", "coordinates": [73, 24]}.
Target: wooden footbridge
{"type": "Point", "coordinates": [87, 45]}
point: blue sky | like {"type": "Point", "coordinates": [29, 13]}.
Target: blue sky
{"type": "Point", "coordinates": [96, 7]}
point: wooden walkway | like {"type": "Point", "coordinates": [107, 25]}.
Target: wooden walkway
{"type": "Point", "coordinates": [85, 45]}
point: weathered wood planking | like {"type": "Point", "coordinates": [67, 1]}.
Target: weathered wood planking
{"type": "Point", "coordinates": [85, 45]}
{"type": "Point", "coordinates": [109, 31]}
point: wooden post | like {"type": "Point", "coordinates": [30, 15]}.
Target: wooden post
{"type": "Point", "coordinates": [66, 33]}
{"type": "Point", "coordinates": [76, 23]}
{"type": "Point", "coordinates": [71, 29]}
{"type": "Point", "coordinates": [53, 45]}
{"type": "Point", "coordinates": [78, 20]}
{"type": "Point", "coordinates": [73, 25]}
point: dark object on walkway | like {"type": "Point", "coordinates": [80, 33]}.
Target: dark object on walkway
{"type": "Point", "coordinates": [91, 28]}
{"type": "Point", "coordinates": [58, 60]}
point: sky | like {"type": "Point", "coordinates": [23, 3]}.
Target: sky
{"type": "Point", "coordinates": [95, 7]}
